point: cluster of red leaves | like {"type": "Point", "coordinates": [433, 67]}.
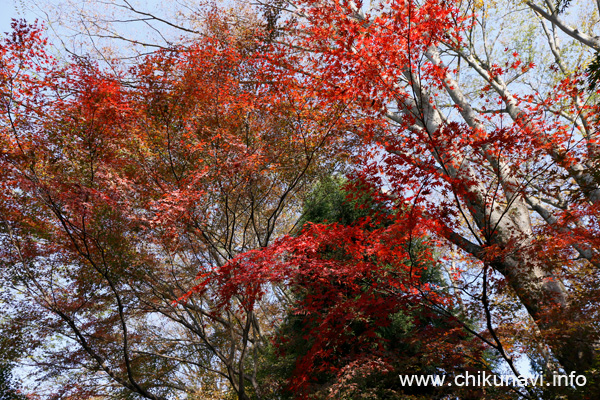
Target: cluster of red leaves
{"type": "Point", "coordinates": [105, 174]}
{"type": "Point", "coordinates": [349, 282]}
{"type": "Point", "coordinates": [98, 168]}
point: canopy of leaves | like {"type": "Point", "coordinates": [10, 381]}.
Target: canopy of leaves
{"type": "Point", "coordinates": [147, 208]}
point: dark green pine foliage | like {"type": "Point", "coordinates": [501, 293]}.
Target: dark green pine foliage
{"type": "Point", "coordinates": [329, 202]}
{"type": "Point", "coordinates": [593, 70]}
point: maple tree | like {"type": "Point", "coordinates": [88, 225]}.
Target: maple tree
{"type": "Point", "coordinates": [514, 181]}
{"type": "Point", "coordinates": [502, 167]}
{"type": "Point", "coordinates": [120, 186]}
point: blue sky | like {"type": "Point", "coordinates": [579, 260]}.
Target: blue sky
{"type": "Point", "coordinates": [65, 28]}
{"type": "Point", "coordinates": [9, 9]}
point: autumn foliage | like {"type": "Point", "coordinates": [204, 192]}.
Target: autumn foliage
{"type": "Point", "coordinates": [151, 211]}
{"type": "Point", "coordinates": [119, 186]}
